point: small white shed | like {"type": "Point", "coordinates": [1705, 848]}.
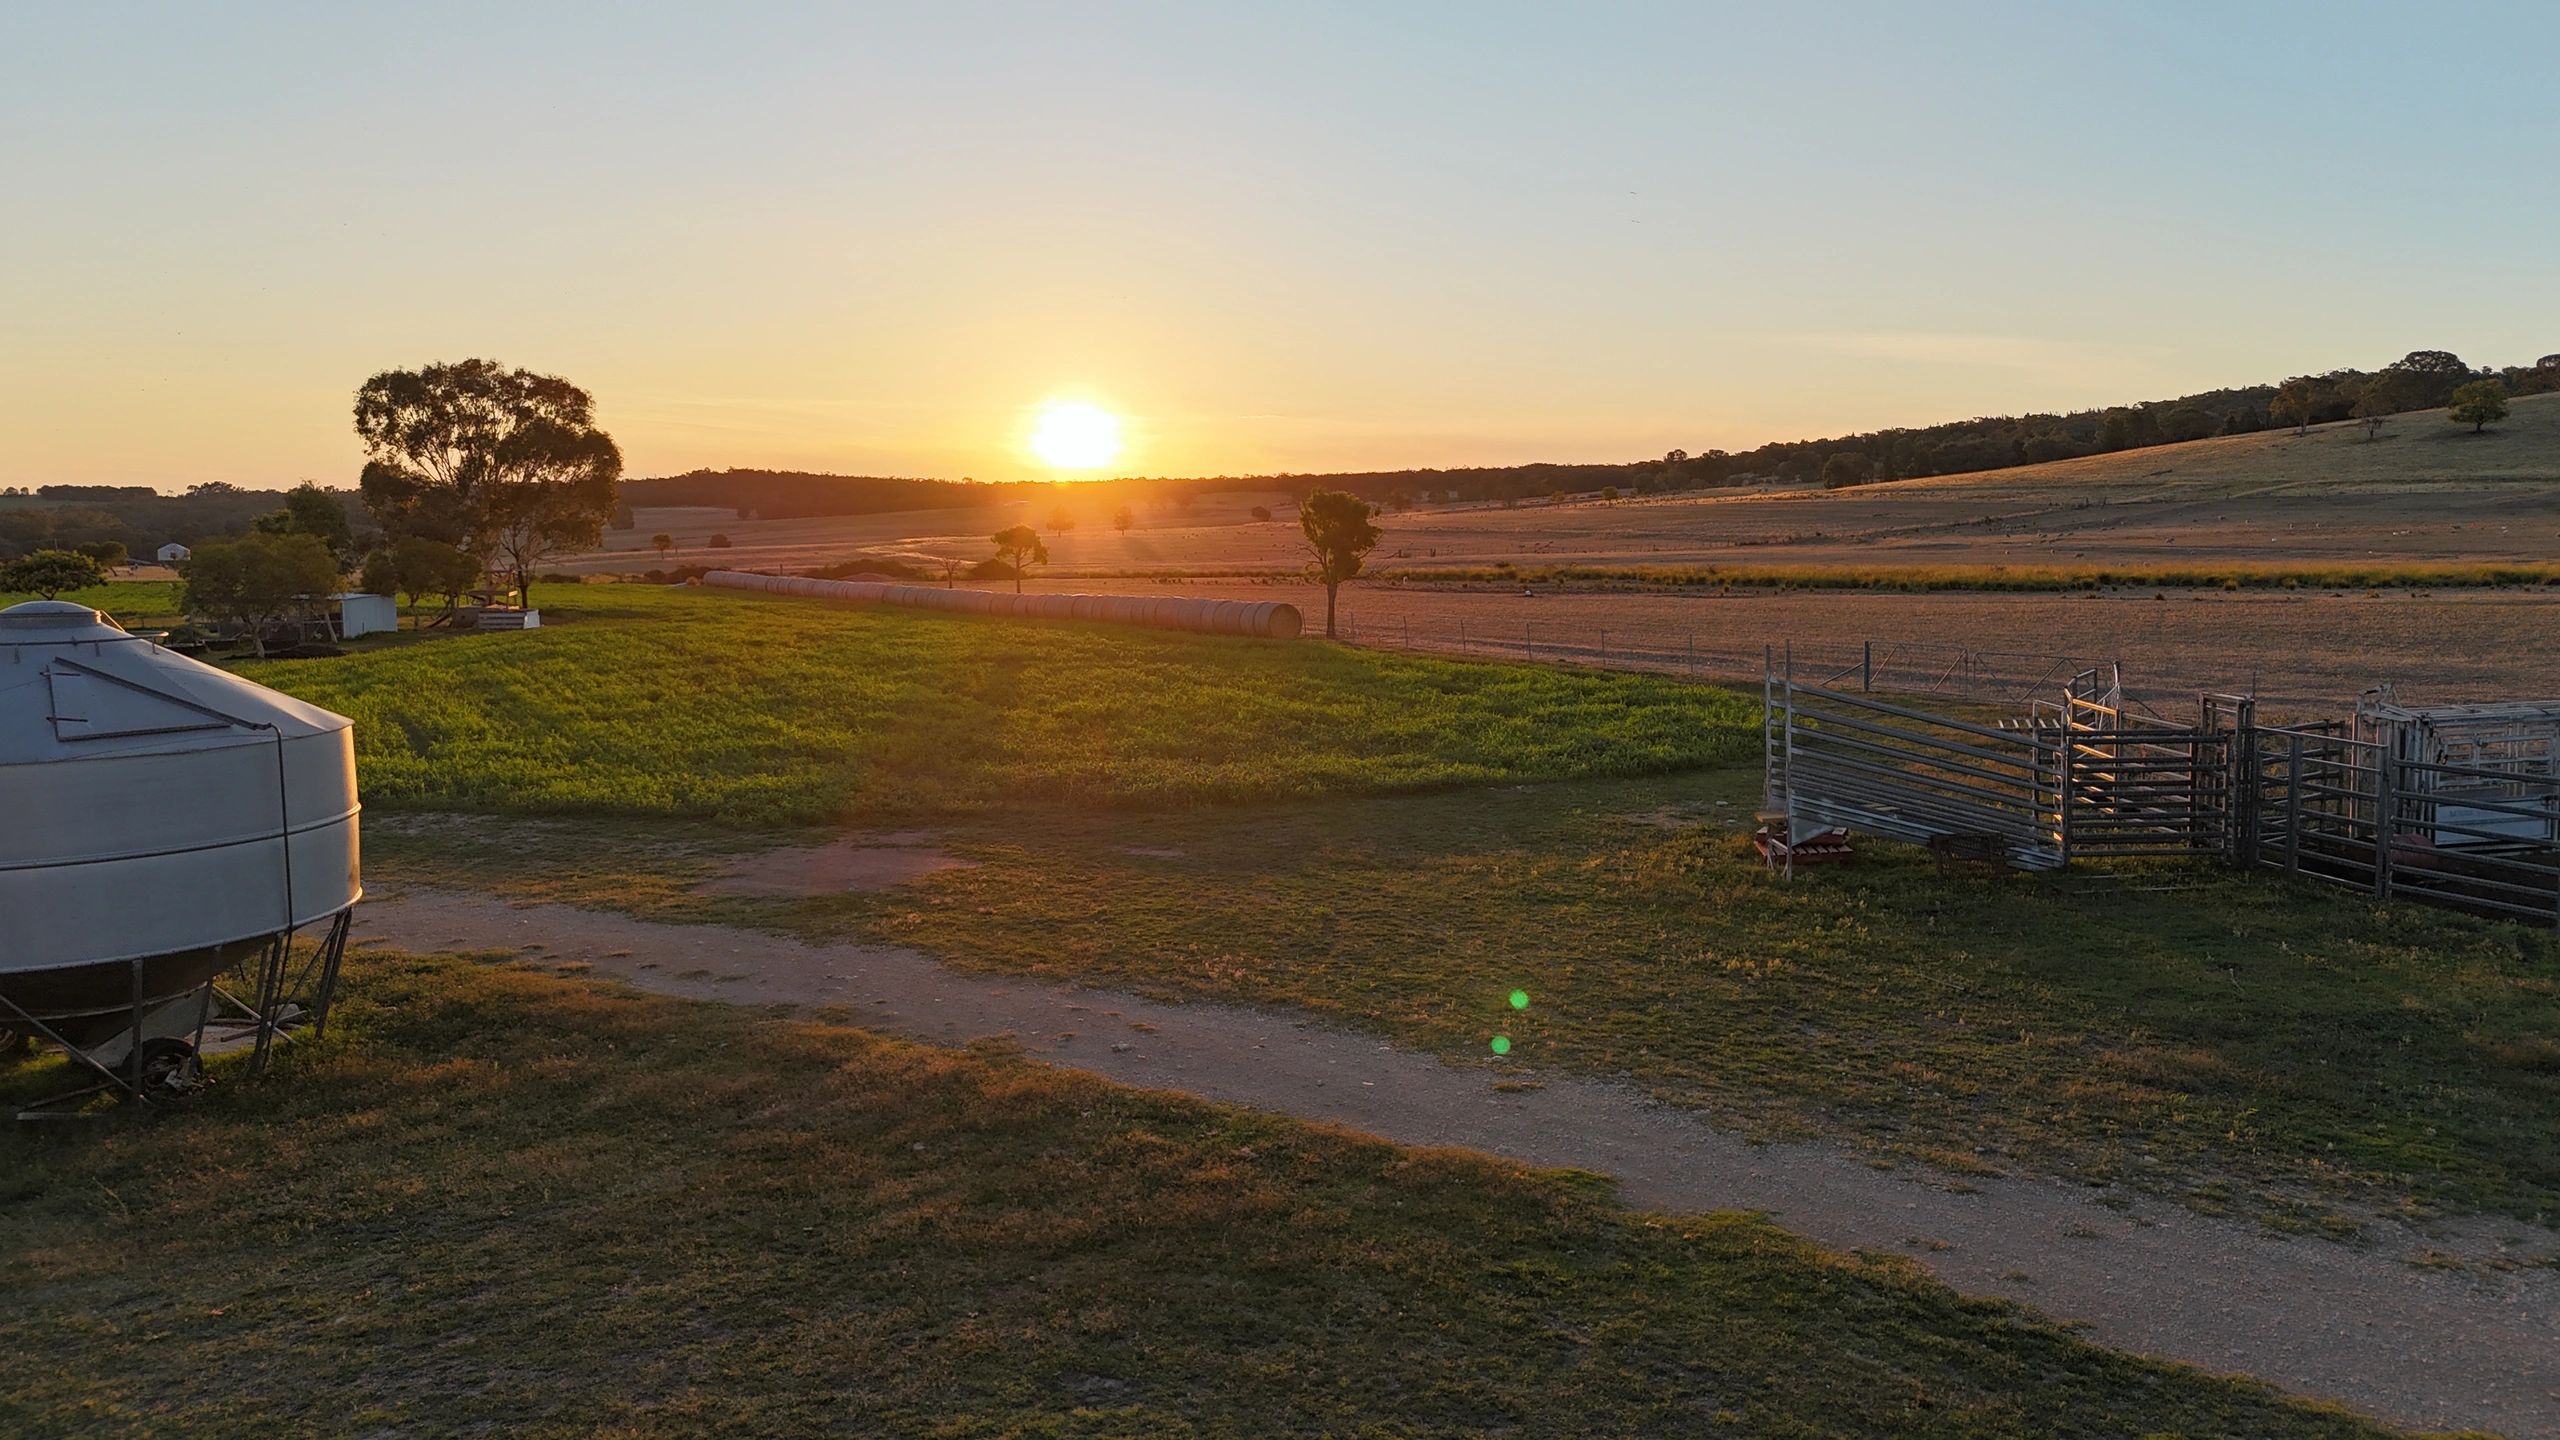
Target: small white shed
{"type": "Point", "coordinates": [362, 614]}
{"type": "Point", "coordinates": [173, 552]}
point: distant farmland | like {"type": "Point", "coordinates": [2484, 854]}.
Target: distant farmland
{"type": "Point", "coordinates": [2425, 494]}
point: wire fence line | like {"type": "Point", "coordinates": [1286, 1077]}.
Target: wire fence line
{"type": "Point", "coordinates": [1902, 667]}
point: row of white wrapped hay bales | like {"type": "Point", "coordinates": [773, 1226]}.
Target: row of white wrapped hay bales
{"type": "Point", "coordinates": [1268, 619]}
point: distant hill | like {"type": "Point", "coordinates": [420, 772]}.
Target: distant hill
{"type": "Point", "coordinates": [794, 494]}
{"type": "Point", "coordinates": [2421, 380]}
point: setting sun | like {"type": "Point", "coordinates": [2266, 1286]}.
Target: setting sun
{"type": "Point", "coordinates": [1072, 435]}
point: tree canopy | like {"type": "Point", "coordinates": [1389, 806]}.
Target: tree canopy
{"type": "Point", "coordinates": [2480, 404]}
{"type": "Point", "coordinates": [414, 567]}
{"type": "Point", "coordinates": [506, 464]}
{"type": "Point", "coordinates": [255, 579]}
{"type": "Point", "coordinates": [50, 572]}
{"type": "Point", "coordinates": [1341, 529]}
{"type": "Point", "coordinates": [310, 510]}
{"type": "Point", "coordinates": [1019, 546]}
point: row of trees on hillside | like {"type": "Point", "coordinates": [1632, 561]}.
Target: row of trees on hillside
{"type": "Point", "coordinates": [70, 517]}
{"type": "Point", "coordinates": [2423, 379]}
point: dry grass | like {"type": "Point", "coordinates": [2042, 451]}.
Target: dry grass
{"type": "Point", "coordinates": [2258, 1045]}
{"type": "Point", "coordinates": [503, 1203]}
{"type": "Point", "coordinates": [2426, 500]}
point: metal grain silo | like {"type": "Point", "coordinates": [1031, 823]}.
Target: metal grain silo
{"type": "Point", "coordinates": [164, 821]}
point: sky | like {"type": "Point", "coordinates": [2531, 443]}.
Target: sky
{"type": "Point", "coordinates": [1296, 236]}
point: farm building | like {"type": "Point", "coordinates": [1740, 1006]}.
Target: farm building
{"type": "Point", "coordinates": [363, 614]}
{"type": "Point", "coordinates": [172, 553]}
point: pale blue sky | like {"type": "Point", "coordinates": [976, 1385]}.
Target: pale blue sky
{"type": "Point", "coordinates": [1302, 236]}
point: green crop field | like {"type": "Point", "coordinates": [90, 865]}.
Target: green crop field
{"type": "Point", "coordinates": [500, 1202]}
{"type": "Point", "coordinates": [678, 702]}
{"type": "Point", "coordinates": [134, 603]}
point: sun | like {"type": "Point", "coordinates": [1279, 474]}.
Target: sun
{"type": "Point", "coordinates": [1072, 435]}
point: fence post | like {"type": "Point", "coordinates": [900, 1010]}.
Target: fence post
{"type": "Point", "coordinates": [1867, 668]}
{"type": "Point", "coordinates": [2293, 805]}
{"type": "Point", "coordinates": [2062, 809]}
{"type": "Point", "coordinates": [1528, 647]}
{"type": "Point", "coordinates": [1462, 637]}
{"type": "Point", "coordinates": [2240, 800]}
{"type": "Point", "coordinates": [2386, 786]}
{"type": "Point", "coordinates": [1604, 645]}
{"type": "Point", "coordinates": [1405, 623]}
{"type": "Point", "coordinates": [1693, 655]}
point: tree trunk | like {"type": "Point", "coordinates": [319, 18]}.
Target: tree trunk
{"type": "Point", "coordinates": [524, 590]}
{"type": "Point", "coordinates": [1330, 586]}
{"type": "Point", "coordinates": [1017, 577]}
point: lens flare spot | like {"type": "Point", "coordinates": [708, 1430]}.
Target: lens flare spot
{"type": "Point", "coordinates": [1501, 1044]}
{"type": "Point", "coordinates": [1519, 999]}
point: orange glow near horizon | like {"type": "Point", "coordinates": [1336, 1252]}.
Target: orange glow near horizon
{"type": "Point", "coordinates": [1075, 435]}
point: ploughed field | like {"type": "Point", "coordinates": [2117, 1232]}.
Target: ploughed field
{"type": "Point", "coordinates": [2426, 496]}
{"type": "Point", "coordinates": [2307, 651]}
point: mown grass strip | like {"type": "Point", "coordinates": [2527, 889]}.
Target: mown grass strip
{"type": "Point", "coordinates": [644, 701]}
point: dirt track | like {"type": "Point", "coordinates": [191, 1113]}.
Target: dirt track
{"type": "Point", "coordinates": [2363, 1326]}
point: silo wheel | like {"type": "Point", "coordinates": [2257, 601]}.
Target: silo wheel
{"type": "Point", "coordinates": [165, 1068]}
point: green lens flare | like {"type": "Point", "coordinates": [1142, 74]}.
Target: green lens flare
{"type": "Point", "coordinates": [1501, 1044]}
{"type": "Point", "coordinates": [1519, 999]}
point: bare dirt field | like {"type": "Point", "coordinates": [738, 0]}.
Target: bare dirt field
{"type": "Point", "coordinates": [2302, 651]}
{"type": "Point", "coordinates": [2423, 492]}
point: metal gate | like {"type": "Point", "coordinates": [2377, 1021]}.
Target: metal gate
{"type": "Point", "coordinates": [2073, 779]}
{"type": "Point", "coordinates": [2140, 788]}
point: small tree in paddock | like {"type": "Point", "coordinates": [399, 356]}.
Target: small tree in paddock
{"type": "Point", "coordinates": [1122, 519]}
{"type": "Point", "coordinates": [506, 463]}
{"type": "Point", "coordinates": [1846, 468]}
{"type": "Point", "coordinates": [2294, 402]}
{"type": "Point", "coordinates": [719, 542]}
{"type": "Point", "coordinates": [110, 554]}
{"type": "Point", "coordinates": [2480, 404]}
{"type": "Point", "coordinates": [1261, 513]}
{"type": "Point", "coordinates": [1019, 547]}
{"type": "Point", "coordinates": [50, 572]}
{"type": "Point", "coordinates": [1061, 520]}
{"type": "Point", "coordinates": [255, 579]}
{"type": "Point", "coordinates": [2377, 401]}
{"type": "Point", "coordinates": [1340, 528]}
{"type": "Point", "coordinates": [662, 542]}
